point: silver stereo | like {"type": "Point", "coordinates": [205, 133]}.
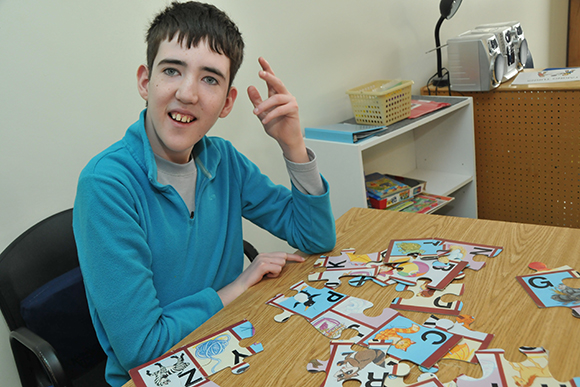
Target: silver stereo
{"type": "Point", "coordinates": [519, 41]}
{"type": "Point", "coordinates": [475, 62]}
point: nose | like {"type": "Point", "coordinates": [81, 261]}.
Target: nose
{"type": "Point", "coordinates": [187, 91]}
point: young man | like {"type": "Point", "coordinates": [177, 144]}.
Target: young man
{"type": "Point", "coordinates": [158, 215]}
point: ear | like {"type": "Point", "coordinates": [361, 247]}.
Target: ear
{"type": "Point", "coordinates": [230, 99]}
{"type": "Point", "coordinates": [143, 81]}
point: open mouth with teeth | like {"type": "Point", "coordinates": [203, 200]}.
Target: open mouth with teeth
{"type": "Point", "coordinates": [181, 117]}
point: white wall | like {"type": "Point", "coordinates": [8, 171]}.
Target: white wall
{"type": "Point", "coordinates": [68, 85]}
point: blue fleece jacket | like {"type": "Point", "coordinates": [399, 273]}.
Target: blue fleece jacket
{"type": "Point", "coordinates": [151, 271]}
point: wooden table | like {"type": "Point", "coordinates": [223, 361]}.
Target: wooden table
{"type": "Point", "coordinates": [492, 295]}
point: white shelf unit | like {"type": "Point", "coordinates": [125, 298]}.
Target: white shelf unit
{"type": "Point", "coordinates": [438, 148]}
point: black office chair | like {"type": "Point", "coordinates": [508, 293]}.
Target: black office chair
{"type": "Point", "coordinates": [42, 298]}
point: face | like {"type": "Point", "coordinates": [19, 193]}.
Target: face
{"type": "Point", "coordinates": [186, 91]}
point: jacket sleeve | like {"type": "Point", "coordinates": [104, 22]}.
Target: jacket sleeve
{"type": "Point", "coordinates": [116, 264]}
{"type": "Point", "coordinates": [304, 221]}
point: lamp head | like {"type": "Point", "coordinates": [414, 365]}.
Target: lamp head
{"type": "Point", "coordinates": [448, 8]}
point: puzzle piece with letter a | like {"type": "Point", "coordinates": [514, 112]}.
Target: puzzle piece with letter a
{"type": "Point", "coordinates": [328, 311]}
{"type": "Point", "coordinates": [547, 288]}
{"type": "Point", "coordinates": [369, 366]}
{"type": "Point", "coordinates": [429, 300]}
{"type": "Point", "coordinates": [498, 371]}
{"type": "Point", "coordinates": [189, 366]}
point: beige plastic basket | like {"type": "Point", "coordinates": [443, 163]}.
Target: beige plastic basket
{"type": "Point", "coordinates": [381, 102]}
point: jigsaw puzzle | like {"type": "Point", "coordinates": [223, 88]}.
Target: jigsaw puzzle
{"type": "Point", "coordinates": [498, 371]}
{"type": "Point", "coordinates": [471, 342]}
{"type": "Point", "coordinates": [332, 276]}
{"type": "Point", "coordinates": [328, 311]}
{"type": "Point", "coordinates": [440, 272]}
{"type": "Point", "coordinates": [190, 365]}
{"type": "Point", "coordinates": [547, 289]}
{"type": "Point", "coordinates": [401, 250]}
{"type": "Point", "coordinates": [429, 300]}
{"type": "Point", "coordinates": [368, 366]}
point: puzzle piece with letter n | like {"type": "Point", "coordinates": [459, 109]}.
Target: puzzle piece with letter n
{"type": "Point", "coordinates": [401, 250]}
{"type": "Point", "coordinates": [369, 366]}
{"type": "Point", "coordinates": [498, 371]}
{"type": "Point", "coordinates": [190, 365]}
{"type": "Point", "coordinates": [547, 289]}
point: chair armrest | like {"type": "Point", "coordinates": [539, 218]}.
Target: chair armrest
{"type": "Point", "coordinates": [25, 342]}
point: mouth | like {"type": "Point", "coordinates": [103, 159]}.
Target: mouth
{"type": "Point", "coordinates": [183, 118]}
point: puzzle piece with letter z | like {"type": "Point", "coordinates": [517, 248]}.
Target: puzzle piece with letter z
{"type": "Point", "coordinates": [189, 366]}
{"type": "Point", "coordinates": [547, 288]}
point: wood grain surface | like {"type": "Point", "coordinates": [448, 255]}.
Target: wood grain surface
{"type": "Point", "coordinates": [492, 295]}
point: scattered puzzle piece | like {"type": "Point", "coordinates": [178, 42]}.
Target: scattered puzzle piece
{"type": "Point", "coordinates": [332, 276]}
{"type": "Point", "coordinates": [369, 366]}
{"type": "Point", "coordinates": [429, 300]}
{"type": "Point", "coordinates": [410, 341]}
{"type": "Point", "coordinates": [429, 267]}
{"type": "Point", "coordinates": [547, 289]}
{"type": "Point", "coordinates": [497, 371]}
{"type": "Point", "coordinates": [349, 260]}
{"type": "Point", "coordinates": [190, 365]}
{"type": "Point", "coordinates": [401, 250]}
{"type": "Point", "coordinates": [328, 311]}
{"type": "Point", "coordinates": [471, 342]}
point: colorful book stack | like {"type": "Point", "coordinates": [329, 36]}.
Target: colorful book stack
{"type": "Point", "coordinates": [401, 194]}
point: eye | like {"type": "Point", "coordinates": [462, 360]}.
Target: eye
{"type": "Point", "coordinates": [170, 72]}
{"type": "Point", "coordinates": [210, 80]}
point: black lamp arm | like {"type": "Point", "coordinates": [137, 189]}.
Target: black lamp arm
{"type": "Point", "coordinates": [438, 46]}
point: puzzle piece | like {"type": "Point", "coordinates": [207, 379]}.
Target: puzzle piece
{"type": "Point", "coordinates": [332, 276]}
{"type": "Point", "coordinates": [440, 274]}
{"type": "Point", "coordinates": [328, 311]}
{"type": "Point", "coordinates": [401, 250]}
{"type": "Point", "coordinates": [547, 288]}
{"type": "Point", "coordinates": [471, 342]}
{"type": "Point", "coordinates": [429, 300]}
{"type": "Point", "coordinates": [190, 365]}
{"type": "Point", "coordinates": [410, 341]}
{"type": "Point", "coordinates": [349, 260]}
{"type": "Point", "coordinates": [497, 371]}
{"type": "Point", "coordinates": [368, 366]}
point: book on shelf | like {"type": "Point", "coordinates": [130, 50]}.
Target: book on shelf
{"type": "Point", "coordinates": [386, 190]}
{"type": "Point", "coordinates": [347, 131]}
{"type": "Point", "coordinates": [424, 203]}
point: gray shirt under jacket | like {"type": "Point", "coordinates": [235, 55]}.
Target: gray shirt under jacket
{"type": "Point", "coordinates": [182, 177]}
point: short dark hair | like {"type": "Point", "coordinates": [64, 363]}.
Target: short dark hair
{"type": "Point", "coordinates": [193, 22]}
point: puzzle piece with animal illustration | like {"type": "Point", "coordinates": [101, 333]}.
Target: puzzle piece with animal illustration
{"type": "Point", "coordinates": [471, 342]}
{"type": "Point", "coordinates": [401, 250]}
{"type": "Point", "coordinates": [328, 311]}
{"type": "Point", "coordinates": [498, 371]}
{"type": "Point", "coordinates": [547, 288]}
{"type": "Point", "coordinates": [407, 340]}
{"type": "Point", "coordinates": [369, 366]}
{"type": "Point", "coordinates": [429, 300]}
{"type": "Point", "coordinates": [191, 365]}
{"type": "Point", "coordinates": [383, 278]}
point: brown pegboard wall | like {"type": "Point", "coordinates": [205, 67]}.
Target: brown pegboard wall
{"type": "Point", "coordinates": [527, 155]}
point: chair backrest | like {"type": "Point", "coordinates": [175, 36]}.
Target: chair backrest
{"type": "Point", "coordinates": [41, 288]}
{"type": "Point", "coordinates": [43, 252]}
